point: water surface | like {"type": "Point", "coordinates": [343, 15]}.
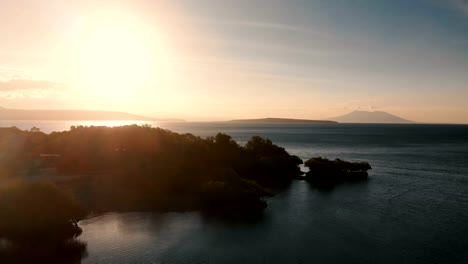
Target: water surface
{"type": "Point", "coordinates": [413, 209]}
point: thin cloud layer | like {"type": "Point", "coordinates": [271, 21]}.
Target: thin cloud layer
{"type": "Point", "coordinates": [23, 88]}
{"type": "Point", "coordinates": [22, 84]}
{"type": "Point", "coordinates": [462, 5]}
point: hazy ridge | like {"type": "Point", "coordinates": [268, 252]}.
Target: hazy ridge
{"type": "Point", "coordinates": [370, 117]}
{"type": "Point", "coordinates": [22, 114]}
{"type": "Point", "coordinates": [271, 120]}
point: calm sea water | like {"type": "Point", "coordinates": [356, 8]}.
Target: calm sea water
{"type": "Point", "coordinates": [413, 209]}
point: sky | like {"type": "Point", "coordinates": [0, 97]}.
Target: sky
{"type": "Point", "coordinates": [215, 60]}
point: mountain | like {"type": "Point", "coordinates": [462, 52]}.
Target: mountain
{"type": "Point", "coordinates": [282, 121]}
{"type": "Point", "coordinates": [20, 114]}
{"type": "Point", "coordinates": [370, 117]}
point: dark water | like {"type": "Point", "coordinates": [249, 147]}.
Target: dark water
{"type": "Point", "coordinates": [413, 209]}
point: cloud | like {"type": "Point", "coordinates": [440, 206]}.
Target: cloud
{"type": "Point", "coordinates": [254, 24]}
{"type": "Point", "coordinates": [21, 84]}
{"type": "Point", "coordinates": [265, 25]}
{"type": "Point", "coordinates": [368, 104]}
{"type": "Point", "coordinates": [7, 74]}
{"type": "Point", "coordinates": [461, 5]}
{"type": "Point", "coordinates": [23, 88]}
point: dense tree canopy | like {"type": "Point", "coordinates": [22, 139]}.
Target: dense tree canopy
{"type": "Point", "coordinates": [145, 168]}
{"type": "Point", "coordinates": [327, 173]}
{"type": "Point", "coordinates": [136, 168]}
{"type": "Point", "coordinates": [35, 211]}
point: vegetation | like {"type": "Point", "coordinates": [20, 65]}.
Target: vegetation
{"type": "Point", "coordinates": [135, 168]}
{"type": "Point", "coordinates": [50, 252]}
{"type": "Point", "coordinates": [327, 173]}
{"type": "Point", "coordinates": [144, 168]}
{"type": "Point", "coordinates": [38, 224]}
{"type": "Point", "coordinates": [37, 210]}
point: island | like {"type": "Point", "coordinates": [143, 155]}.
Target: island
{"type": "Point", "coordinates": [375, 117]}
{"type": "Point", "coordinates": [271, 120]}
{"type": "Point", "coordinates": [141, 168]}
{"type": "Point", "coordinates": [325, 173]}
{"type": "Point", "coordinates": [57, 179]}
{"type": "Point", "coordinates": [49, 182]}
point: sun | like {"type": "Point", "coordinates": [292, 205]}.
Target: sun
{"type": "Point", "coordinates": [117, 55]}
{"type": "Point", "coordinates": [114, 59]}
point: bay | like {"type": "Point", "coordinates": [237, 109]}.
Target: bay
{"type": "Point", "coordinates": [413, 208]}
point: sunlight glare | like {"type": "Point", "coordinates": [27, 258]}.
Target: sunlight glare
{"type": "Point", "coordinates": [118, 55]}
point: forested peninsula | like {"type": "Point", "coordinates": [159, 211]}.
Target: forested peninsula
{"type": "Point", "coordinates": [67, 175]}
{"type": "Point", "coordinates": [145, 168]}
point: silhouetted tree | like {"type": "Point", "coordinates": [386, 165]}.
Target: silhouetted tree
{"type": "Point", "coordinates": [36, 211]}
{"type": "Point", "coordinates": [145, 168]}
{"type": "Point", "coordinates": [327, 173]}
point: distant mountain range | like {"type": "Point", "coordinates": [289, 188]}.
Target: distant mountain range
{"type": "Point", "coordinates": [19, 114]}
{"type": "Point", "coordinates": [282, 121]}
{"type": "Point", "coordinates": [370, 117]}
{"type": "Point", "coordinates": [353, 117]}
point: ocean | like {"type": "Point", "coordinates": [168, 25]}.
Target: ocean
{"type": "Point", "coordinates": [413, 208]}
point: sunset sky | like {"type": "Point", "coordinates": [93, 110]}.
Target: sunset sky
{"type": "Point", "coordinates": [215, 60]}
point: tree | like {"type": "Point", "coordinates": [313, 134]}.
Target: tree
{"type": "Point", "coordinates": [34, 211]}
{"type": "Point", "coordinates": [327, 173]}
